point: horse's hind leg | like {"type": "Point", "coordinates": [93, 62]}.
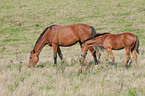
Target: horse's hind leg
{"type": "Point", "coordinates": [55, 47]}
{"type": "Point", "coordinates": [127, 56]}
{"type": "Point", "coordinates": [59, 53]}
{"type": "Point", "coordinates": [112, 57]}
{"type": "Point", "coordinates": [134, 56]}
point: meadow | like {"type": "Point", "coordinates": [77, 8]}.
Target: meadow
{"type": "Point", "coordinates": [21, 23]}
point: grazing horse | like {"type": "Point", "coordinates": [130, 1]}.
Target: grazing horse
{"type": "Point", "coordinates": [62, 35]}
{"type": "Point", "coordinates": [111, 42]}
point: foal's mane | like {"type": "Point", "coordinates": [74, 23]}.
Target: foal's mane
{"type": "Point", "coordinates": [97, 35]}
{"type": "Point", "coordinates": [41, 36]}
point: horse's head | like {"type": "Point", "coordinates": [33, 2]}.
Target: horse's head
{"type": "Point", "coordinates": [33, 59]}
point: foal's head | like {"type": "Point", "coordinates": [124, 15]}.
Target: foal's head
{"type": "Point", "coordinates": [33, 59]}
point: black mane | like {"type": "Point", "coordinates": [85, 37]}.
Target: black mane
{"type": "Point", "coordinates": [41, 36]}
{"type": "Point", "coordinates": [96, 35]}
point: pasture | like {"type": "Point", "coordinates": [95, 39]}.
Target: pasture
{"type": "Point", "coordinates": [21, 23]}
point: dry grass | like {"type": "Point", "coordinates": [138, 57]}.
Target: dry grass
{"type": "Point", "coordinates": [21, 22]}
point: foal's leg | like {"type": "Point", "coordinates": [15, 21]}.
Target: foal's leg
{"type": "Point", "coordinates": [59, 53]}
{"type": "Point", "coordinates": [55, 47]}
{"type": "Point", "coordinates": [134, 56]}
{"type": "Point", "coordinates": [127, 55]}
{"type": "Point", "coordinates": [93, 52]}
{"type": "Point", "coordinates": [98, 49]}
{"type": "Point", "coordinates": [111, 55]}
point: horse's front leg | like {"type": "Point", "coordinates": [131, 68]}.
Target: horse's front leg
{"type": "Point", "coordinates": [112, 57]}
{"type": "Point", "coordinates": [55, 47]}
{"type": "Point", "coordinates": [93, 52]}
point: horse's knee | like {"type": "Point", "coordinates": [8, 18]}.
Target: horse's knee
{"type": "Point", "coordinates": [55, 56]}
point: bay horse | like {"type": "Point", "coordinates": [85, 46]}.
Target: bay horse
{"type": "Point", "coordinates": [62, 35]}
{"type": "Point", "coordinates": [111, 42]}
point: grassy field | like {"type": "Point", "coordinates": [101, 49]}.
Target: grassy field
{"type": "Point", "coordinates": [22, 21]}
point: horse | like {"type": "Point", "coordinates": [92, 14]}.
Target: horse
{"type": "Point", "coordinates": [110, 42]}
{"type": "Point", "coordinates": [62, 35]}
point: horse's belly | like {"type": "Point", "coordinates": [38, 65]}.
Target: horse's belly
{"type": "Point", "coordinates": [66, 37]}
{"type": "Point", "coordinates": [117, 46]}
{"type": "Point", "coordinates": [67, 42]}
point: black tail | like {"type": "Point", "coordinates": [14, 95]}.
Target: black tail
{"type": "Point", "coordinates": [93, 31]}
{"type": "Point", "coordinates": [137, 45]}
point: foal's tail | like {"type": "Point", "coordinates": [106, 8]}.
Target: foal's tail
{"type": "Point", "coordinates": [136, 46]}
{"type": "Point", "coordinates": [93, 31]}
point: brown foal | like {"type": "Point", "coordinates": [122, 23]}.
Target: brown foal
{"type": "Point", "coordinates": [111, 42]}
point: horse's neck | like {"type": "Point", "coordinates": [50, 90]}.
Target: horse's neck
{"type": "Point", "coordinates": [99, 41]}
{"type": "Point", "coordinates": [39, 46]}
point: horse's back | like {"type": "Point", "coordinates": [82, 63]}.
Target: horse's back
{"type": "Point", "coordinates": [119, 41]}
{"type": "Point", "coordinates": [77, 31]}
{"type": "Point", "coordinates": [67, 35]}
{"type": "Point", "coordinates": [113, 41]}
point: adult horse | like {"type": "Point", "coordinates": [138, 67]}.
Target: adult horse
{"type": "Point", "coordinates": [62, 35]}
{"type": "Point", "coordinates": [111, 42]}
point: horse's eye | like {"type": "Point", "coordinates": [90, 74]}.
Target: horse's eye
{"type": "Point", "coordinates": [30, 57]}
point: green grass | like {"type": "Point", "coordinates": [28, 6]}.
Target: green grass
{"type": "Point", "coordinates": [16, 43]}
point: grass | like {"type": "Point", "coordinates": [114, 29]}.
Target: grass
{"type": "Point", "coordinates": [16, 42]}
